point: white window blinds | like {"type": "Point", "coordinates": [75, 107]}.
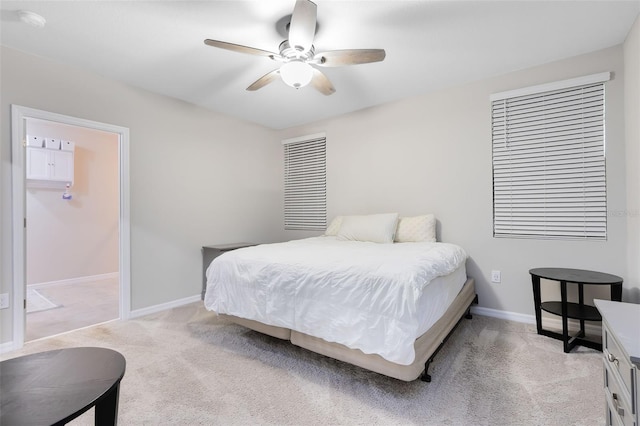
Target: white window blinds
{"type": "Point", "coordinates": [549, 161]}
{"type": "Point", "coordinates": [305, 184]}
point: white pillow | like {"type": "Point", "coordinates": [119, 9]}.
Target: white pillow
{"type": "Point", "coordinates": [334, 226]}
{"type": "Point", "coordinates": [376, 228]}
{"type": "Point", "coordinates": [416, 229]}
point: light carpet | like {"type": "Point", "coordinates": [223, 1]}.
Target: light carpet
{"type": "Point", "coordinates": [185, 366]}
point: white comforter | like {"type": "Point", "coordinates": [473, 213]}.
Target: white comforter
{"type": "Point", "coordinates": [359, 294]}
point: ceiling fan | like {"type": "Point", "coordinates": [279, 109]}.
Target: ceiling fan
{"type": "Point", "coordinates": [297, 54]}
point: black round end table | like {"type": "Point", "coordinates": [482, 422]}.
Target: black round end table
{"type": "Point", "coordinates": [55, 387]}
{"type": "Point", "coordinates": [565, 309]}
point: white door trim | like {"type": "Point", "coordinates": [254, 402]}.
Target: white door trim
{"type": "Point", "coordinates": [18, 115]}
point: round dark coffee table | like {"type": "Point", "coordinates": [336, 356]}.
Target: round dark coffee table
{"type": "Point", "coordinates": [55, 387]}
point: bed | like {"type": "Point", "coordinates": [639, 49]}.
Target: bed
{"type": "Point", "coordinates": [361, 294]}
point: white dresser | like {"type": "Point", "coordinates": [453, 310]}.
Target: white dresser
{"type": "Point", "coordinates": [621, 357]}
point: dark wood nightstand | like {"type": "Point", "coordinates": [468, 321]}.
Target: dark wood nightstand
{"type": "Point", "coordinates": [211, 252]}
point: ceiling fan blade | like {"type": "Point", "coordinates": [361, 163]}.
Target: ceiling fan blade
{"type": "Point", "coordinates": [321, 83]}
{"type": "Point", "coordinates": [264, 80]}
{"type": "Point", "coordinates": [302, 29]}
{"type": "Point", "coordinates": [338, 58]}
{"type": "Point", "coordinates": [240, 48]}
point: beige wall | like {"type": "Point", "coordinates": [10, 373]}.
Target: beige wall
{"type": "Point", "coordinates": [632, 138]}
{"type": "Point", "coordinates": [432, 153]}
{"type": "Point", "coordinates": [197, 177]}
{"type": "Point", "coordinates": [79, 237]}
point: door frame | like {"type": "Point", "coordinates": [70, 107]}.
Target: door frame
{"type": "Point", "coordinates": [18, 142]}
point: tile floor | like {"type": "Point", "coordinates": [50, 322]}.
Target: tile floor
{"type": "Point", "coordinates": [81, 305]}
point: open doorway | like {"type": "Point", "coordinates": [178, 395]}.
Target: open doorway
{"type": "Point", "coordinates": [72, 239]}
{"type": "Point", "coordinates": [24, 120]}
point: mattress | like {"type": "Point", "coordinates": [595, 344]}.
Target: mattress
{"type": "Point", "coordinates": [437, 296]}
{"type": "Point", "coordinates": [377, 298]}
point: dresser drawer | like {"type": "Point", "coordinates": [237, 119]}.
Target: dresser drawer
{"type": "Point", "coordinates": [618, 399]}
{"type": "Point", "coordinates": [620, 351]}
{"type": "Point", "coordinates": [617, 360]}
{"type": "Point", "coordinates": [612, 418]}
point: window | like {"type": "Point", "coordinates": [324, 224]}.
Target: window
{"type": "Point", "coordinates": [305, 183]}
{"type": "Point", "coordinates": [549, 161]}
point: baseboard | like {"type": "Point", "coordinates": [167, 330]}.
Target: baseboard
{"type": "Point", "coordinates": [164, 306]}
{"type": "Point", "coordinates": [505, 315]}
{"type": "Point", "coordinates": [591, 329]}
{"type": "Point", "coordinates": [78, 280]}
{"type": "Point", "coordinates": [7, 347]}
{"type": "Point", "coordinates": [553, 323]}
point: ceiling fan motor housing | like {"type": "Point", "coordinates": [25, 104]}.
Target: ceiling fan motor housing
{"type": "Point", "coordinates": [290, 53]}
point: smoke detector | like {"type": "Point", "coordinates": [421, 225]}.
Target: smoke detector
{"type": "Point", "coordinates": [31, 18]}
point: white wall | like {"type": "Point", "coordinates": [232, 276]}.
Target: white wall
{"type": "Point", "coordinates": [197, 177]}
{"type": "Point", "coordinates": [632, 139]}
{"type": "Point", "coordinates": [432, 153]}
{"type": "Point", "coordinates": [78, 237]}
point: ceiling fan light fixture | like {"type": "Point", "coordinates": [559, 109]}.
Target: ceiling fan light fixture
{"type": "Point", "coordinates": [296, 73]}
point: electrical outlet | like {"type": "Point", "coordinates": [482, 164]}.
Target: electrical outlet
{"type": "Point", "coordinates": [495, 276]}
{"type": "Point", "coordinates": [4, 300]}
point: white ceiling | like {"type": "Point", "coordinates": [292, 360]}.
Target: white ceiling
{"type": "Point", "coordinates": [430, 45]}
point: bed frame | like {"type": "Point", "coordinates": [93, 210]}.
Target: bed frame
{"type": "Point", "coordinates": [426, 346]}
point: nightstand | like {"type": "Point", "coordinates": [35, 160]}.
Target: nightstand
{"type": "Point", "coordinates": [211, 252]}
